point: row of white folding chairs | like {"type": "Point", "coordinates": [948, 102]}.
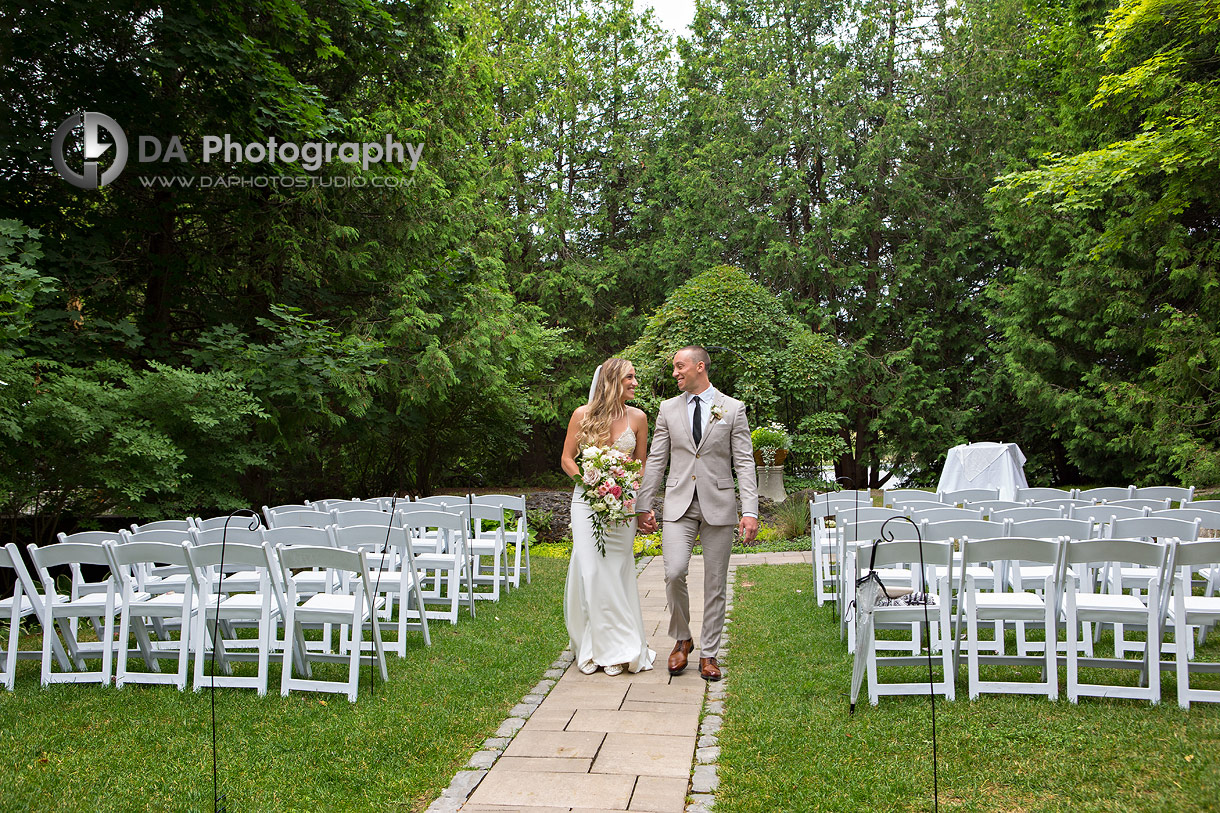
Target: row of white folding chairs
{"type": "Point", "coordinates": [300, 585]}
{"type": "Point", "coordinates": [516, 536]}
{"type": "Point", "coordinates": [851, 535]}
{"type": "Point", "coordinates": [822, 537]}
{"type": "Point", "coordinates": [1065, 598]}
{"type": "Point", "coordinates": [442, 539]}
{"type": "Point", "coordinates": [474, 545]}
{"type": "Point", "coordinates": [1026, 495]}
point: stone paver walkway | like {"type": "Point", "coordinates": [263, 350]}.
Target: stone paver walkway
{"type": "Point", "coordinates": [598, 743]}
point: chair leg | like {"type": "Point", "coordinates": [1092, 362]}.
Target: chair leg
{"type": "Point", "coordinates": [1073, 654]}
{"type": "Point", "coordinates": [290, 634]}
{"type": "Point", "coordinates": [1183, 665]}
{"type": "Point", "coordinates": [1051, 651]}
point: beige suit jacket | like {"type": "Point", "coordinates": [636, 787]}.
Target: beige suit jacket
{"type": "Point", "coordinates": [706, 470]}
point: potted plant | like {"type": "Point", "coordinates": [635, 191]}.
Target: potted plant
{"type": "Point", "coordinates": [771, 444]}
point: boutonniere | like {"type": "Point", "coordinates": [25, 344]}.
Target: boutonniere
{"type": "Point", "coordinates": [717, 412]}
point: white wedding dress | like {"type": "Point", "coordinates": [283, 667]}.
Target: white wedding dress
{"type": "Point", "coordinates": [601, 603]}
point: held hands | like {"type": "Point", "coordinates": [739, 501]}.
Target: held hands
{"type": "Point", "coordinates": [647, 522]}
{"type": "Point", "coordinates": [747, 529]}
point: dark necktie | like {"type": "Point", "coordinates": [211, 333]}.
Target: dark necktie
{"type": "Point", "coordinates": [697, 421]}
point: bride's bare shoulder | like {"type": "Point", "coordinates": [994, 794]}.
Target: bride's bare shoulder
{"type": "Point", "coordinates": [636, 414]}
{"type": "Point", "coordinates": [579, 412]}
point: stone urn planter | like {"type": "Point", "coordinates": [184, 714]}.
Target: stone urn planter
{"type": "Point", "coordinates": [771, 482]}
{"type": "Point", "coordinates": [770, 475]}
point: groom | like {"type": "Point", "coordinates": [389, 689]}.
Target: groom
{"type": "Point", "coordinates": [702, 437]}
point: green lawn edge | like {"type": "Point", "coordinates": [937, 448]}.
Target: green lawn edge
{"type": "Point", "coordinates": [789, 744]}
{"type": "Point", "coordinates": [90, 748]}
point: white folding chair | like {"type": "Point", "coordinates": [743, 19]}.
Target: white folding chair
{"type": "Point", "coordinates": [1033, 575]}
{"type": "Point", "coordinates": [969, 494]}
{"type": "Point", "coordinates": [943, 513]}
{"type": "Point", "coordinates": [989, 507]}
{"type": "Point", "coordinates": [165, 578]}
{"type": "Point", "coordinates": [351, 607]}
{"type": "Point", "coordinates": [1189, 610]}
{"type": "Point", "coordinates": [307, 517]}
{"type": "Point", "coordinates": [308, 582]}
{"type": "Point", "coordinates": [229, 521]}
{"type": "Point", "coordinates": [1113, 606]}
{"type": "Point", "coordinates": [448, 565]}
{"type": "Point", "coordinates": [1106, 493]}
{"type": "Point", "coordinates": [954, 530]}
{"type": "Point", "coordinates": [997, 607]}
{"type": "Point", "coordinates": [1179, 494]}
{"type": "Point", "coordinates": [181, 525]}
{"type": "Point", "coordinates": [876, 556]}
{"type": "Point", "coordinates": [24, 602]}
{"type": "Point", "coordinates": [1140, 503]}
{"type": "Point", "coordinates": [1026, 513]}
{"type": "Point", "coordinates": [59, 611]}
{"type": "Point", "coordinates": [1037, 493]}
{"type": "Point", "coordinates": [492, 544]}
{"type": "Point", "coordinates": [398, 575]}
{"type": "Point", "coordinates": [352, 505]}
{"type": "Point", "coordinates": [1136, 578]}
{"type": "Point", "coordinates": [1207, 514]}
{"type": "Point", "coordinates": [895, 498]}
{"type": "Point", "coordinates": [822, 540]}
{"type": "Point", "coordinates": [362, 516]}
{"type": "Point", "coordinates": [224, 603]}
{"type": "Point", "coordinates": [137, 607]}
{"type": "Point", "coordinates": [518, 536]}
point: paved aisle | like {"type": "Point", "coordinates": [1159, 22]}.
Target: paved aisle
{"type": "Point", "coordinates": [599, 743]}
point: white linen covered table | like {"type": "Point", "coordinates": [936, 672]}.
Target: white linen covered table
{"type": "Point", "coordinates": [984, 465]}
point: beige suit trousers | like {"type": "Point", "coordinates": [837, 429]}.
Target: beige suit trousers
{"type": "Point", "coordinates": [677, 540]}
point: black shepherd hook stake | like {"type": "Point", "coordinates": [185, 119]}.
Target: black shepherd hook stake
{"type": "Point", "coordinates": [219, 802]}
{"type": "Point", "coordinates": [376, 587]}
{"type": "Point", "coordinates": [927, 632]}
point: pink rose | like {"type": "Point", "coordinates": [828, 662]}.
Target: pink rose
{"type": "Point", "coordinates": [617, 491]}
{"type": "Point", "coordinates": [591, 476]}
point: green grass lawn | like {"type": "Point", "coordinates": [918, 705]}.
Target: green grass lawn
{"type": "Point", "coordinates": [788, 743]}
{"type": "Point", "coordinates": [86, 747]}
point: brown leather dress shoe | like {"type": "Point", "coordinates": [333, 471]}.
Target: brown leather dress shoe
{"type": "Point", "coordinates": [677, 658]}
{"type": "Point", "coordinates": [709, 670]}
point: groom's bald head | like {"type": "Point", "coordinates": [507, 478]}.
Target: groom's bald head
{"type": "Point", "coordinates": [695, 353]}
{"type": "Point", "coordinates": [691, 365]}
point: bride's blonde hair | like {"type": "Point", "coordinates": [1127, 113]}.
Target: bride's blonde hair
{"type": "Point", "coordinates": [606, 405]}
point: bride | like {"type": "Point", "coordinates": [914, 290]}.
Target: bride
{"type": "Point", "coordinates": [601, 603]}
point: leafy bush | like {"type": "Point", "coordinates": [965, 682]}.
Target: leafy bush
{"type": "Point", "coordinates": [773, 358]}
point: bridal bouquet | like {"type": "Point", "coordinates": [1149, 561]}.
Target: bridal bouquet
{"type": "Point", "coordinates": [609, 480]}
